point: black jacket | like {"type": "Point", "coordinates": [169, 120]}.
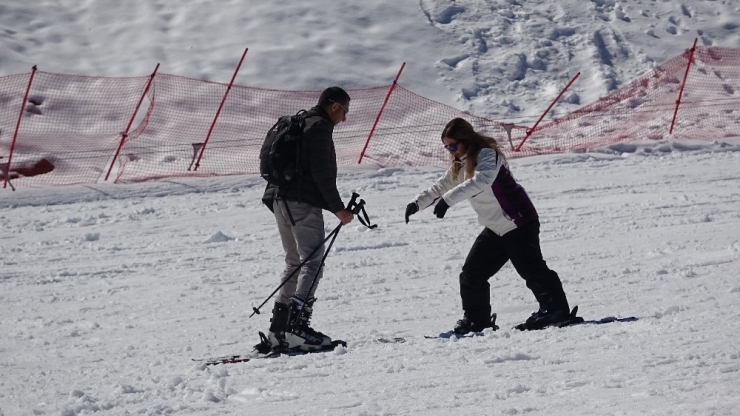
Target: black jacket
{"type": "Point", "coordinates": [317, 184]}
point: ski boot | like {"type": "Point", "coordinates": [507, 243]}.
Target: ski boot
{"type": "Point", "coordinates": [474, 323]}
{"type": "Point", "coordinates": [300, 335]}
{"type": "Point", "coordinates": [275, 338]}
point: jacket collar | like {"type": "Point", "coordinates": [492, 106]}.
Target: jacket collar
{"type": "Point", "coordinates": [319, 111]}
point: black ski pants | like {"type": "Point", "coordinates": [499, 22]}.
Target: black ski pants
{"type": "Point", "coordinates": [489, 254]}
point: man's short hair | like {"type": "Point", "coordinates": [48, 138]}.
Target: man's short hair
{"type": "Point", "coordinates": [333, 95]}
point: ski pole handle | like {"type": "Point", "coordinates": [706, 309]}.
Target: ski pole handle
{"type": "Point", "coordinates": [352, 201]}
{"type": "Point", "coordinates": [358, 207]}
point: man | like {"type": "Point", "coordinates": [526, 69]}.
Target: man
{"type": "Point", "coordinates": [298, 211]}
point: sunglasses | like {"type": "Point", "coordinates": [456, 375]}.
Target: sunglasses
{"type": "Point", "coordinates": [340, 106]}
{"type": "Point", "coordinates": [451, 147]}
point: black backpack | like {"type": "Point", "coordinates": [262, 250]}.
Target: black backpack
{"type": "Point", "coordinates": [280, 155]}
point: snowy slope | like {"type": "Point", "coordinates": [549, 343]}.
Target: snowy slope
{"type": "Point", "coordinates": [503, 59]}
{"type": "Point", "coordinates": [109, 291]}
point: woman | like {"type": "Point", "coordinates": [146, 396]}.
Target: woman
{"type": "Point", "coordinates": [479, 172]}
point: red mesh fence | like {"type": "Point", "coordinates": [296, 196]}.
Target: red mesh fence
{"type": "Point", "coordinates": [409, 130]}
{"type": "Point", "coordinates": [71, 126]}
{"type": "Point", "coordinates": [183, 110]}
{"type": "Point", "coordinates": [640, 110]}
{"type": "Point", "coordinates": [710, 107]}
{"type": "Point", "coordinates": [171, 141]}
{"type": "Point", "coordinates": [12, 90]}
{"type": "Point", "coordinates": [644, 108]}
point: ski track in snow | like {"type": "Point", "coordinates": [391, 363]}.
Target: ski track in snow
{"type": "Point", "coordinates": [109, 291]}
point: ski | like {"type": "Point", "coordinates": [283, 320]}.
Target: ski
{"type": "Point", "coordinates": [229, 359]}
{"type": "Point", "coordinates": [450, 334]}
{"type": "Point", "coordinates": [609, 319]}
{"type": "Point", "coordinates": [575, 320]}
{"type": "Point", "coordinates": [441, 335]}
{"type": "Point", "coordinates": [255, 355]}
{"type": "Point", "coordinates": [571, 321]}
{"type": "Point", "coordinates": [394, 340]}
{"type": "Point", "coordinates": [580, 321]}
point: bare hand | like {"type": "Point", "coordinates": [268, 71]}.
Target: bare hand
{"type": "Point", "coordinates": [345, 216]}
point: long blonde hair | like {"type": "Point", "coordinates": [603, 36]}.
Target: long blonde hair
{"type": "Point", "coordinates": [461, 131]}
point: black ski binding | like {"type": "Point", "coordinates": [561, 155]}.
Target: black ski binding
{"type": "Point", "coordinates": [573, 319]}
{"type": "Point", "coordinates": [450, 334]}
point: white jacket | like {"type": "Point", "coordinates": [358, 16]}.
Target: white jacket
{"type": "Point", "coordinates": [501, 203]}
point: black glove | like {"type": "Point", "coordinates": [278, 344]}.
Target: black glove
{"type": "Point", "coordinates": [441, 208]}
{"type": "Point", "coordinates": [411, 209]}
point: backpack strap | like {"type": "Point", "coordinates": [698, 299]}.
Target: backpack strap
{"type": "Point", "coordinates": [290, 215]}
{"type": "Point", "coordinates": [304, 115]}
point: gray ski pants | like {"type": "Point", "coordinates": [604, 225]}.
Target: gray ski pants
{"type": "Point", "coordinates": [299, 241]}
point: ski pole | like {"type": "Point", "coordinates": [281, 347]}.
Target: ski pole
{"type": "Point", "coordinates": [333, 234]}
{"type": "Point", "coordinates": [358, 207]}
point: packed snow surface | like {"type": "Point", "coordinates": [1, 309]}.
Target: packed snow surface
{"type": "Point", "coordinates": [107, 292]}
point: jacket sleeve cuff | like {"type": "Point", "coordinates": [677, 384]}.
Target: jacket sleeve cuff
{"type": "Point", "coordinates": [336, 207]}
